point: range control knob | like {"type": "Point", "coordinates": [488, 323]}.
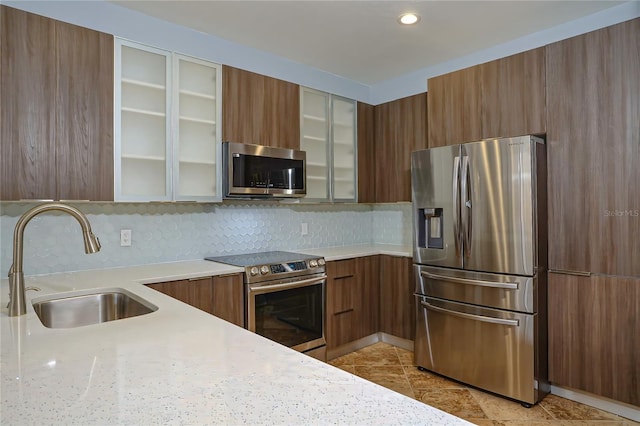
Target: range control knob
{"type": "Point", "coordinates": [254, 271]}
{"type": "Point", "coordinates": [321, 262]}
{"type": "Point", "coordinates": [264, 269]}
{"type": "Point", "coordinates": [313, 263]}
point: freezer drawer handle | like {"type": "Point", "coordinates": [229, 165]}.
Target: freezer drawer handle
{"type": "Point", "coordinates": [508, 285]}
{"type": "Point", "coordinates": [501, 321]}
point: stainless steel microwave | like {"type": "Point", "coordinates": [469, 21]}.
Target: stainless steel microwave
{"type": "Point", "coordinates": [255, 171]}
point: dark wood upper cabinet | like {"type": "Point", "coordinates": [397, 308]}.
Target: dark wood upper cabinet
{"type": "Point", "coordinates": [84, 143]}
{"type": "Point", "coordinates": [400, 128]}
{"type": "Point", "coordinates": [366, 154]}
{"type": "Point", "coordinates": [454, 108]}
{"type": "Point", "coordinates": [512, 99]}
{"type": "Point", "coordinates": [594, 324]}
{"type": "Point", "coordinates": [261, 110]}
{"type": "Point", "coordinates": [56, 119]}
{"type": "Point", "coordinates": [27, 119]}
{"type": "Point", "coordinates": [501, 98]}
{"type": "Point", "coordinates": [593, 117]}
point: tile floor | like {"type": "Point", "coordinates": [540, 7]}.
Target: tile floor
{"type": "Point", "coordinates": [393, 368]}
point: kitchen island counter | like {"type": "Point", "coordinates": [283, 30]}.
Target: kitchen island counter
{"type": "Point", "coordinates": [177, 365]}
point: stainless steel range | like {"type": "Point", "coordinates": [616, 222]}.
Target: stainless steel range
{"type": "Point", "coordinates": [284, 297]}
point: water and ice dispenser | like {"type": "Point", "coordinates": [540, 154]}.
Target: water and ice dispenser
{"type": "Point", "coordinates": [430, 228]}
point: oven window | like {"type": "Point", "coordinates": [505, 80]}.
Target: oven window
{"type": "Point", "coordinates": [290, 317]}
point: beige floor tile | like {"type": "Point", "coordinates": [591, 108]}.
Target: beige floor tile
{"type": "Point", "coordinates": [376, 354]}
{"type": "Point", "coordinates": [485, 422]}
{"type": "Point", "coordinates": [425, 380]}
{"type": "Point", "coordinates": [489, 422]}
{"type": "Point", "coordinates": [564, 409]}
{"type": "Point", "coordinates": [343, 360]}
{"type": "Point", "coordinates": [498, 408]}
{"type": "Point", "coordinates": [405, 356]}
{"type": "Point", "coordinates": [348, 368]}
{"type": "Point", "coordinates": [391, 377]}
{"type": "Point", "coordinates": [458, 402]}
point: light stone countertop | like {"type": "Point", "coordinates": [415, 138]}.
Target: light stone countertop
{"type": "Point", "coordinates": [177, 365]}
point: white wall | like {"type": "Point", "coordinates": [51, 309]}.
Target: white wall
{"type": "Point", "coordinates": [168, 232]}
{"type": "Point", "coordinates": [111, 18]}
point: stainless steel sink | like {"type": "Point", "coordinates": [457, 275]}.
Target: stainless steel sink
{"type": "Point", "coordinates": [86, 308]}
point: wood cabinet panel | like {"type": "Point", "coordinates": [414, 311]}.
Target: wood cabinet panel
{"type": "Point", "coordinates": [261, 110]}
{"type": "Point", "coordinates": [342, 293]}
{"type": "Point", "coordinates": [593, 117]}
{"type": "Point", "coordinates": [27, 118]}
{"type": "Point", "coordinates": [56, 118]}
{"type": "Point", "coordinates": [368, 302]}
{"type": "Point", "coordinates": [401, 127]}
{"type": "Point", "coordinates": [513, 95]}
{"type": "Point", "coordinates": [397, 311]}
{"type": "Point", "coordinates": [222, 296]}
{"type": "Point", "coordinates": [228, 298]}
{"type": "Point", "coordinates": [366, 154]}
{"type": "Point", "coordinates": [84, 143]}
{"type": "Point", "coordinates": [594, 323]}
{"type": "Point", "coordinates": [453, 108]}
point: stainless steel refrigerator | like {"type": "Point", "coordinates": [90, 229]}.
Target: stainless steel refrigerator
{"type": "Point", "coordinates": [480, 258]}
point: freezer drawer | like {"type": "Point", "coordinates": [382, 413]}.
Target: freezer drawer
{"type": "Point", "coordinates": [487, 348]}
{"type": "Point", "coordinates": [509, 292]}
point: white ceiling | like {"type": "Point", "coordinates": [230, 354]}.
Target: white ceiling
{"type": "Point", "coordinates": [361, 40]}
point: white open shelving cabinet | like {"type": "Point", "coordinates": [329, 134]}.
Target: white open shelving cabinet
{"type": "Point", "coordinates": [328, 135]}
{"type": "Point", "coordinates": [167, 126]}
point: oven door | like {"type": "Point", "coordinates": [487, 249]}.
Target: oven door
{"type": "Point", "coordinates": [290, 313]}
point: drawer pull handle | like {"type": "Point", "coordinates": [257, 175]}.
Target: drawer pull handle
{"type": "Point", "coordinates": [507, 285]}
{"type": "Point", "coordinates": [482, 318]}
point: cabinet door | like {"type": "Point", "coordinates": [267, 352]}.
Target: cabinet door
{"type": "Point", "coordinates": [260, 110]}
{"type": "Point", "coordinates": [343, 144]}
{"type": "Point", "coordinates": [84, 109]}
{"type": "Point", "coordinates": [342, 299]}
{"type": "Point", "coordinates": [401, 127]}
{"type": "Point", "coordinates": [513, 95]}
{"type": "Point", "coordinates": [196, 136]}
{"type": "Point", "coordinates": [594, 324]}
{"type": "Point", "coordinates": [593, 117]}
{"type": "Point", "coordinates": [454, 108]}
{"type": "Point", "coordinates": [397, 312]}
{"type": "Point", "coordinates": [143, 126]}
{"type": "Point", "coordinates": [197, 292]}
{"type": "Point", "coordinates": [368, 299]}
{"type": "Point", "coordinates": [315, 140]}
{"type": "Point", "coordinates": [366, 154]}
{"type": "Point", "coordinates": [228, 298]}
{"type": "Point", "coordinates": [27, 119]}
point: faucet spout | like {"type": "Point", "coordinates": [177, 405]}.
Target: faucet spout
{"type": "Point", "coordinates": [17, 305]}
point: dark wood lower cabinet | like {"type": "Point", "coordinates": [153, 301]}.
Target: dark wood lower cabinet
{"type": "Point", "coordinates": [222, 296]}
{"type": "Point", "coordinates": [366, 295]}
{"type": "Point", "coordinates": [397, 312]}
{"type": "Point", "coordinates": [594, 335]}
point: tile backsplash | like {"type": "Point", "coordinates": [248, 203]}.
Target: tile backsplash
{"type": "Point", "coordinates": [171, 232]}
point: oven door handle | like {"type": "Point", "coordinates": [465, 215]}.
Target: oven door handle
{"type": "Point", "coordinates": [258, 289]}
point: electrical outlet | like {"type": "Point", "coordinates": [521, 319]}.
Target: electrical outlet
{"type": "Point", "coordinates": [304, 229]}
{"type": "Point", "coordinates": [125, 237]}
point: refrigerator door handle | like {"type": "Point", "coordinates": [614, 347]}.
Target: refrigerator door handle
{"type": "Point", "coordinates": [481, 318]}
{"type": "Point", "coordinates": [457, 235]}
{"type": "Point", "coordinates": [507, 285]}
{"type": "Point", "coordinates": [465, 210]}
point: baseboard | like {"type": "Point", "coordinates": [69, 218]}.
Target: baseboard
{"type": "Point", "coordinates": [352, 346]}
{"type": "Point", "coordinates": [616, 407]}
{"type": "Point", "coordinates": [396, 341]}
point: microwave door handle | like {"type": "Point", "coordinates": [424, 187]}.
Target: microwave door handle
{"type": "Point", "coordinates": [456, 204]}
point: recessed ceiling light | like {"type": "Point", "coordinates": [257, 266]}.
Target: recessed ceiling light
{"type": "Point", "coordinates": [408, 18]}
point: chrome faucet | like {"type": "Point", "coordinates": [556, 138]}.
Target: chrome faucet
{"type": "Point", "coordinates": [17, 305]}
